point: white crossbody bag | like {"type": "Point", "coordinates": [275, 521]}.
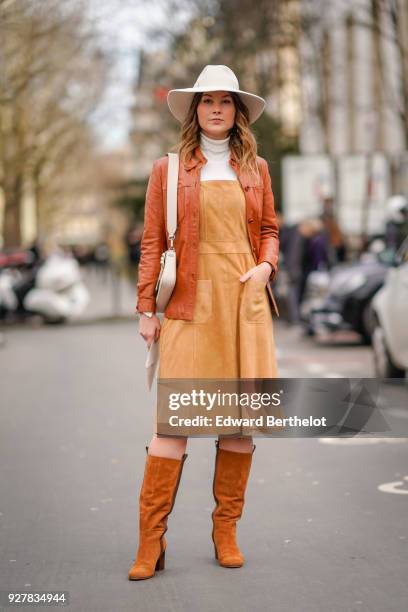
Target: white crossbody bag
{"type": "Point", "coordinates": [167, 275]}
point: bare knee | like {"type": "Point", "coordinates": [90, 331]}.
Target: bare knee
{"type": "Point", "coordinates": [237, 445]}
{"type": "Point", "coordinates": [173, 447]}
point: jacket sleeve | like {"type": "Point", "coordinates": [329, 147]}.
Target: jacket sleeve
{"type": "Point", "coordinates": [269, 246]}
{"type": "Point", "coordinates": [153, 243]}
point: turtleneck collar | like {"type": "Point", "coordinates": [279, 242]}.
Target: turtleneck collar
{"type": "Point", "coordinates": [214, 148]}
{"type": "Point", "coordinates": [217, 153]}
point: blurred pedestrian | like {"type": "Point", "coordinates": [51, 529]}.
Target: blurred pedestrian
{"type": "Point", "coordinates": [336, 242]}
{"type": "Point", "coordinates": [307, 251]}
{"type": "Point", "coordinates": [133, 243]}
{"type": "Point", "coordinates": [295, 258]}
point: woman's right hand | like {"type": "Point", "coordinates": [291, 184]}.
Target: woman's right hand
{"type": "Point", "coordinates": [149, 328]}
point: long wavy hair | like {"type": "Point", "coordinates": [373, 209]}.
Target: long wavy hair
{"type": "Point", "coordinates": [242, 139]}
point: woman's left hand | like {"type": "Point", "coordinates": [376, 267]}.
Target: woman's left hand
{"type": "Point", "coordinates": [261, 272]}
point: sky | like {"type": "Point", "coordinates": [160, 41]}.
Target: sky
{"type": "Point", "coordinates": [122, 26]}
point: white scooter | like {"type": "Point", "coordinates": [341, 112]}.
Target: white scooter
{"type": "Point", "coordinates": [59, 293]}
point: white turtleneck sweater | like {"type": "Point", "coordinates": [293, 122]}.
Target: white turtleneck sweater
{"type": "Point", "coordinates": [217, 152]}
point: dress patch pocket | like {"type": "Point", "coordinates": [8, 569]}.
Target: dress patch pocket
{"type": "Point", "coordinates": [254, 301]}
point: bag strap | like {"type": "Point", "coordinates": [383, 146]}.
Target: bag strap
{"type": "Point", "coordinates": [172, 183]}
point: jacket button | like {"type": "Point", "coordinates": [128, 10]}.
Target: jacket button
{"type": "Point", "coordinates": [253, 248]}
{"type": "Point", "coordinates": [247, 188]}
{"type": "Point", "coordinates": [250, 220]}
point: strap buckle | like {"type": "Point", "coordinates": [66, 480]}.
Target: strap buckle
{"type": "Point", "coordinates": [171, 238]}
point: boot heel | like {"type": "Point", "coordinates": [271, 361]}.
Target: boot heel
{"type": "Point", "coordinates": [215, 548]}
{"type": "Point", "coordinates": [160, 562]}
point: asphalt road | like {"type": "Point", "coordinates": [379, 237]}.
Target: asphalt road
{"type": "Point", "coordinates": [325, 524]}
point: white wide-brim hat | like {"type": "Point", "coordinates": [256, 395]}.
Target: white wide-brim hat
{"type": "Point", "coordinates": [213, 78]}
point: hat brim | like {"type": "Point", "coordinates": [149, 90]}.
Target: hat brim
{"type": "Point", "coordinates": [179, 101]}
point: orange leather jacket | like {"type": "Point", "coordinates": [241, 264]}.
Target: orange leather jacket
{"type": "Point", "coordinates": [262, 229]}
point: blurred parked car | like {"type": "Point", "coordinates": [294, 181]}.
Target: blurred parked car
{"type": "Point", "coordinates": [345, 303]}
{"type": "Point", "coordinates": [390, 308]}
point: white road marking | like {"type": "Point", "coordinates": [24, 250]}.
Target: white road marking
{"type": "Point", "coordinates": [360, 441]}
{"type": "Point", "coordinates": [394, 487]}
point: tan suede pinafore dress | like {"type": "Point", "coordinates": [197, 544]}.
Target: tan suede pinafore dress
{"type": "Point", "coordinates": [231, 334]}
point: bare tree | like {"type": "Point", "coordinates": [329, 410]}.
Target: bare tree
{"type": "Point", "coordinates": [53, 75]}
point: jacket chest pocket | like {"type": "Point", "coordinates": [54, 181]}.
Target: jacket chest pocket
{"type": "Point", "coordinates": [258, 197]}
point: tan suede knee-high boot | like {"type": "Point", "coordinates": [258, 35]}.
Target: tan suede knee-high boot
{"type": "Point", "coordinates": [157, 496]}
{"type": "Point", "coordinates": [230, 480]}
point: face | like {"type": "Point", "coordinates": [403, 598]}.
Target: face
{"type": "Point", "coordinates": [216, 114]}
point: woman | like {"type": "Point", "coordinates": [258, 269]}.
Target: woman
{"type": "Point", "coordinates": [218, 323]}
